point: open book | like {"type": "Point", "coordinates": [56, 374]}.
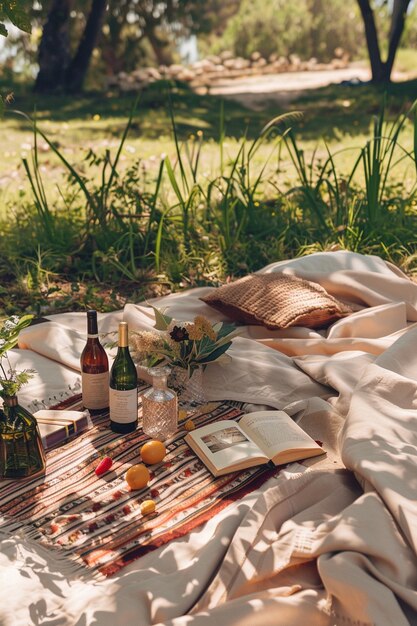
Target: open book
{"type": "Point", "coordinates": [260, 437]}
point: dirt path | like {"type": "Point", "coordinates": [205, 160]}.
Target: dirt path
{"type": "Point", "coordinates": [256, 91]}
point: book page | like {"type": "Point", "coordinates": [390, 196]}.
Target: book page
{"type": "Point", "coordinates": [225, 444]}
{"type": "Point", "coordinates": [274, 431]}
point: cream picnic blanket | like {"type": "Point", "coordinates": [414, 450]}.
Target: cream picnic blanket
{"type": "Point", "coordinates": [329, 542]}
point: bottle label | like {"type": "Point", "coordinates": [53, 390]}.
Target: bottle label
{"type": "Point", "coordinates": [123, 406]}
{"type": "Point", "coordinates": [95, 390]}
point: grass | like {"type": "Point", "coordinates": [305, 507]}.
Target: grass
{"type": "Point", "coordinates": [340, 115]}
{"type": "Point", "coordinates": [195, 192]}
{"type": "Point", "coordinates": [406, 61]}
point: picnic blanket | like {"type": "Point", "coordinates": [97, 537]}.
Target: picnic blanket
{"type": "Point", "coordinates": [333, 543]}
{"type": "Point", "coordinates": [97, 523]}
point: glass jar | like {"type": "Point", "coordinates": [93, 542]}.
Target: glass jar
{"type": "Point", "coordinates": [159, 407]}
{"type": "Point", "coordinates": [21, 450]}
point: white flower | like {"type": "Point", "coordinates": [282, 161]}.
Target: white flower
{"type": "Point", "coordinates": [11, 323]}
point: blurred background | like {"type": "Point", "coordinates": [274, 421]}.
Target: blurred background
{"type": "Point", "coordinates": [95, 41]}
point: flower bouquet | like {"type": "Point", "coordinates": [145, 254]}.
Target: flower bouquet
{"type": "Point", "coordinates": [186, 347]}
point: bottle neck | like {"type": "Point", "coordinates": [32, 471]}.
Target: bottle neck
{"type": "Point", "coordinates": [159, 382]}
{"type": "Point", "coordinates": [10, 400]}
{"type": "Point", "coordinates": [92, 328]}
{"type": "Point", "coordinates": [123, 335]}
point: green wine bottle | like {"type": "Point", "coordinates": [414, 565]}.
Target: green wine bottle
{"type": "Point", "coordinates": [123, 387]}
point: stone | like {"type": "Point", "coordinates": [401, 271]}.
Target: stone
{"type": "Point", "coordinates": [175, 69]}
{"type": "Point", "coordinates": [185, 75]}
{"type": "Point", "coordinates": [295, 61]}
{"type": "Point", "coordinates": [214, 59]}
{"type": "Point", "coordinates": [226, 54]}
{"type": "Point", "coordinates": [153, 73]}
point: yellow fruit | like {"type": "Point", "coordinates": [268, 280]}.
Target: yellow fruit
{"type": "Point", "coordinates": [137, 476]}
{"type": "Point", "coordinates": [147, 507]}
{"type": "Point", "coordinates": [189, 425]}
{"type": "Point", "coordinates": [152, 452]}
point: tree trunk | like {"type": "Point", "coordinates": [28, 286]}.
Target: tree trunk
{"type": "Point", "coordinates": [54, 50]}
{"type": "Point", "coordinates": [77, 69]}
{"type": "Point", "coordinates": [399, 13]}
{"type": "Point", "coordinates": [112, 44]}
{"type": "Point", "coordinates": [317, 11]}
{"type": "Point", "coordinates": [381, 70]}
{"type": "Point", "coordinates": [159, 46]}
{"type": "Point", "coordinates": [371, 40]}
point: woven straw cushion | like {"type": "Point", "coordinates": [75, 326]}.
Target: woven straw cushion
{"type": "Point", "coordinates": [276, 301]}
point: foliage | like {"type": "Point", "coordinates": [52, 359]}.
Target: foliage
{"type": "Point", "coordinates": [16, 11]}
{"type": "Point", "coordinates": [309, 28]}
{"type": "Point", "coordinates": [183, 344]}
{"type": "Point", "coordinates": [409, 39]}
{"type": "Point", "coordinates": [132, 34]}
{"type": "Point", "coordinates": [11, 380]}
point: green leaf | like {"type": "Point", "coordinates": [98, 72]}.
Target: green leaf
{"type": "Point", "coordinates": [12, 386]}
{"type": "Point", "coordinates": [19, 17]}
{"type": "Point", "coordinates": [225, 329]}
{"type": "Point", "coordinates": [161, 321]}
{"type": "Point", "coordinates": [173, 181]}
{"type": "Point", "coordinates": [10, 336]}
{"type": "Point", "coordinates": [216, 354]}
{"type": "Point", "coordinates": [282, 120]}
{"type": "Point", "coordinates": [205, 346]}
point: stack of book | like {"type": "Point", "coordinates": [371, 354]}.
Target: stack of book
{"type": "Point", "coordinates": [57, 426]}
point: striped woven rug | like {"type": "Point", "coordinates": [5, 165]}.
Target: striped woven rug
{"type": "Point", "coordinates": [96, 522]}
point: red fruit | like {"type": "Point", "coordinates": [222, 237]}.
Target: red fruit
{"type": "Point", "coordinates": [104, 465]}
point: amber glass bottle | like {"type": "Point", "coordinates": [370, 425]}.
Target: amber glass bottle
{"type": "Point", "coordinates": [94, 369]}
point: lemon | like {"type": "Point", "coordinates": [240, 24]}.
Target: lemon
{"type": "Point", "coordinates": [182, 414]}
{"type": "Point", "coordinates": [147, 507]}
{"type": "Point", "coordinates": [152, 452]}
{"type": "Point", "coordinates": [137, 476]}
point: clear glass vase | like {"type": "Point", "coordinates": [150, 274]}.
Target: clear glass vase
{"type": "Point", "coordinates": [21, 450]}
{"type": "Point", "coordinates": [189, 387]}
